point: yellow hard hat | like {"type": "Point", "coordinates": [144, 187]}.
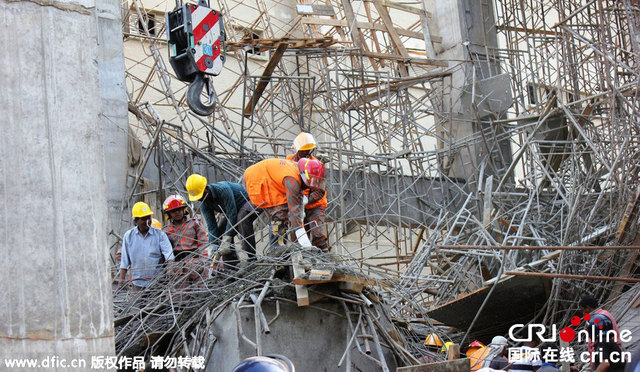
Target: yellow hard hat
{"type": "Point", "coordinates": [155, 223]}
{"type": "Point", "coordinates": [446, 347]}
{"type": "Point", "coordinates": [195, 186]}
{"type": "Point", "coordinates": [304, 141]}
{"type": "Point", "coordinates": [433, 340]}
{"type": "Point", "coordinates": [141, 209]}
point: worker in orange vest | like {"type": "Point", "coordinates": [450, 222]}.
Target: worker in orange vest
{"type": "Point", "coordinates": [304, 145]}
{"type": "Point", "coordinates": [277, 186]}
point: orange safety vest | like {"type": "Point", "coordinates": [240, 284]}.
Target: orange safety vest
{"type": "Point", "coordinates": [319, 203]}
{"type": "Point", "coordinates": [265, 181]}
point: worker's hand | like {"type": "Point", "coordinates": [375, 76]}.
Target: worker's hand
{"type": "Point", "coordinates": [303, 239]}
{"type": "Point", "coordinates": [225, 246]}
{"type": "Point", "coordinates": [305, 200]}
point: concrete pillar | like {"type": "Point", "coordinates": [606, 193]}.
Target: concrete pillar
{"type": "Point", "coordinates": [56, 296]}
{"type": "Point", "coordinates": [469, 34]}
{"type": "Point", "coordinates": [113, 116]}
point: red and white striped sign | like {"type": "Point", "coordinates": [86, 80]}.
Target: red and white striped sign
{"type": "Point", "coordinates": [207, 30]}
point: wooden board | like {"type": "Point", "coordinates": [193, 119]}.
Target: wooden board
{"type": "Point", "coordinates": [301, 291]}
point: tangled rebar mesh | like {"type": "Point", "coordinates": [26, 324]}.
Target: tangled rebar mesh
{"type": "Point", "coordinates": [174, 313]}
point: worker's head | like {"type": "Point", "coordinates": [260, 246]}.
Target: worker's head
{"type": "Point", "coordinates": [175, 207]}
{"type": "Point", "coordinates": [445, 348]}
{"type": "Point", "coordinates": [304, 144]}
{"type": "Point", "coordinates": [196, 185]}
{"type": "Point", "coordinates": [598, 326]}
{"type": "Point", "coordinates": [266, 363]}
{"type": "Point", "coordinates": [588, 303]}
{"type": "Point", "coordinates": [312, 173]}
{"type": "Point", "coordinates": [499, 342]}
{"type": "Point", "coordinates": [474, 346]}
{"type": "Point", "coordinates": [141, 214]}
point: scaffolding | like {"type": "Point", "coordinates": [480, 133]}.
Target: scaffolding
{"type": "Point", "coordinates": [379, 100]}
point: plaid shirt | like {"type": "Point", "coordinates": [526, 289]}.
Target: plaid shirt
{"type": "Point", "coordinates": [186, 237]}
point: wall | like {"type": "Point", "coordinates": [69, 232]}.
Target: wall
{"type": "Point", "coordinates": [56, 297]}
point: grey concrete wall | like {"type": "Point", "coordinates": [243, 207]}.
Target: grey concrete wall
{"type": "Point", "coordinates": [312, 339]}
{"type": "Point", "coordinates": [56, 294]}
{"type": "Point", "coordinates": [113, 113]}
{"type": "Point", "coordinates": [468, 31]}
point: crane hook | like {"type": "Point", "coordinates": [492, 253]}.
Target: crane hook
{"type": "Point", "coordinates": [193, 96]}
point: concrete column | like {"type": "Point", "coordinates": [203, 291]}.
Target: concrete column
{"type": "Point", "coordinates": [56, 294]}
{"type": "Point", "coordinates": [113, 116]}
{"type": "Point", "coordinates": [469, 34]}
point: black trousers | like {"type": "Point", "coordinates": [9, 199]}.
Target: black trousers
{"type": "Point", "coordinates": [247, 214]}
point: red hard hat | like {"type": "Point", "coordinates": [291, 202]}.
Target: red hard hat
{"type": "Point", "coordinates": [312, 172]}
{"type": "Point", "coordinates": [173, 202]}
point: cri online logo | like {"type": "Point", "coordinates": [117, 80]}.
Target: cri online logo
{"type": "Point", "coordinates": [567, 334]}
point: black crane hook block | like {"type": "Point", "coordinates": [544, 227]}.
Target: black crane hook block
{"type": "Point", "coordinates": [196, 38]}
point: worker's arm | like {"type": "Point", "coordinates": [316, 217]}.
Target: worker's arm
{"type": "Point", "coordinates": [124, 262]}
{"type": "Point", "coordinates": [210, 216]}
{"type": "Point", "coordinates": [165, 247]}
{"type": "Point", "coordinates": [296, 210]}
{"type": "Point", "coordinates": [602, 367]}
{"type": "Point", "coordinates": [201, 235]}
{"type": "Point", "coordinates": [167, 230]}
{"type": "Point", "coordinates": [294, 202]}
{"type": "Point", "coordinates": [315, 195]}
{"type": "Point", "coordinates": [230, 209]}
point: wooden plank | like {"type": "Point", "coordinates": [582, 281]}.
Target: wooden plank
{"type": "Point", "coordinates": [526, 30]}
{"type": "Point", "coordinates": [367, 26]}
{"type": "Point", "coordinates": [316, 9]}
{"type": "Point", "coordinates": [419, 61]}
{"type": "Point", "coordinates": [454, 352]}
{"type": "Point", "coordinates": [344, 278]}
{"type": "Point", "coordinates": [428, 46]}
{"type": "Point", "coordinates": [356, 36]}
{"type": "Point", "coordinates": [400, 6]}
{"type": "Point", "coordinates": [458, 365]}
{"type": "Point", "coordinates": [266, 77]}
{"type": "Point", "coordinates": [320, 274]}
{"type": "Point", "coordinates": [395, 38]}
{"type": "Point", "coordinates": [575, 277]}
{"type": "Point", "coordinates": [302, 293]}
{"type": "Point", "coordinates": [324, 21]}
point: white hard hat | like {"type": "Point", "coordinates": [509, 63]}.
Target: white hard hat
{"type": "Point", "coordinates": [305, 142]}
{"type": "Point", "coordinates": [499, 340]}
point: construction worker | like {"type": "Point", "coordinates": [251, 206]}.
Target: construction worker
{"type": "Point", "coordinates": [155, 223]}
{"type": "Point", "coordinates": [185, 234]}
{"type": "Point", "coordinates": [477, 354]}
{"type": "Point", "coordinates": [232, 200]}
{"type": "Point", "coordinates": [589, 305]}
{"type": "Point", "coordinates": [144, 248]}
{"type": "Point", "coordinates": [497, 353]}
{"type": "Point", "coordinates": [316, 200]}
{"type": "Point", "coordinates": [606, 353]}
{"type": "Point", "coordinates": [276, 186]}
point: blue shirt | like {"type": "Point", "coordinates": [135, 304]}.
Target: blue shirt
{"type": "Point", "coordinates": [142, 253]}
{"type": "Point", "coordinates": [228, 198]}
